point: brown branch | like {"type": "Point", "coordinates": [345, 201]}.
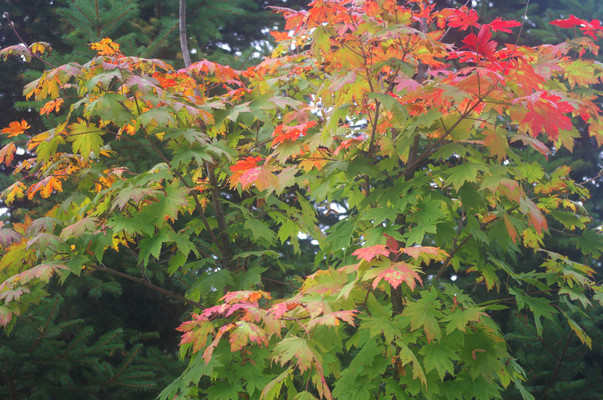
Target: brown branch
{"type": "Point", "coordinates": [11, 24]}
{"type": "Point", "coordinates": [224, 243]}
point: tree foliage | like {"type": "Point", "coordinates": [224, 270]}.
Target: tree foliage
{"type": "Point", "coordinates": [432, 157]}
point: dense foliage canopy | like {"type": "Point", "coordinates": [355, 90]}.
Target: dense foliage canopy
{"type": "Point", "coordinates": [366, 153]}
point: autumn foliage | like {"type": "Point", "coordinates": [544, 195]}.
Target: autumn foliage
{"type": "Point", "coordinates": [436, 153]}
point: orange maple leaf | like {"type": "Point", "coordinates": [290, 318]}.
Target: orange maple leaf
{"type": "Point", "coordinates": [106, 47]}
{"type": "Point", "coordinates": [7, 153]}
{"type": "Point", "coordinates": [284, 133]}
{"type": "Point", "coordinates": [46, 186]}
{"type": "Point", "coordinates": [52, 105]}
{"type": "Point", "coordinates": [16, 128]}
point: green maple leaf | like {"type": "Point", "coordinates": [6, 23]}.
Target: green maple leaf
{"type": "Point", "coordinates": [151, 246]}
{"type": "Point", "coordinates": [224, 390]}
{"type": "Point", "coordinates": [161, 117]}
{"type": "Point", "coordinates": [86, 138]}
{"type": "Point", "coordinates": [109, 107]}
{"type": "Point", "coordinates": [259, 231]}
{"type": "Point", "coordinates": [305, 395]}
{"type": "Point", "coordinates": [87, 224]}
{"type": "Point", "coordinates": [461, 174]}
{"type": "Point", "coordinates": [273, 389]}
{"type": "Point", "coordinates": [438, 357]}
{"type": "Point", "coordinates": [131, 225]}
{"type": "Point", "coordinates": [135, 194]}
{"type": "Point", "coordinates": [459, 318]}
{"type": "Point", "coordinates": [303, 350]}
{"type": "Point", "coordinates": [423, 313]}
{"type": "Point", "coordinates": [539, 306]}
{"type": "Point", "coordinates": [168, 206]}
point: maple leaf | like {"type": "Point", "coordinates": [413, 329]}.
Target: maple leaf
{"type": "Point", "coordinates": [426, 252]}
{"type": "Point", "coordinates": [245, 172]}
{"type": "Point", "coordinates": [251, 296]}
{"type": "Point", "coordinates": [424, 313]}
{"type": "Point", "coordinates": [46, 187]}
{"type": "Point", "coordinates": [588, 28]}
{"type": "Point", "coordinates": [16, 128]}
{"type": "Point", "coordinates": [165, 80]}
{"type": "Point", "coordinates": [40, 48]}
{"type": "Point", "coordinates": [439, 357]}
{"type": "Point", "coordinates": [8, 237]}
{"type": "Point", "coordinates": [481, 43]}
{"type": "Point", "coordinates": [18, 50]}
{"type": "Point", "coordinates": [496, 141]}
{"type": "Point", "coordinates": [280, 36]}
{"type": "Point", "coordinates": [284, 133]}
{"type": "Point", "coordinates": [303, 350]}
{"type": "Point", "coordinates": [106, 47]}
{"type": "Point", "coordinates": [52, 105]}
{"type": "Point", "coordinates": [396, 274]}
{"type": "Point", "coordinates": [463, 19]}
{"type": "Point", "coordinates": [245, 332]}
{"type": "Point", "coordinates": [14, 191]}
{"type": "Point", "coordinates": [6, 315]}
{"type": "Point", "coordinates": [510, 228]}
{"type": "Point", "coordinates": [245, 164]}
{"type": "Point", "coordinates": [332, 319]}
{"type": "Point", "coordinates": [546, 114]}
{"type": "Point", "coordinates": [369, 253]}
{"type": "Point", "coordinates": [500, 25]}
{"type": "Point", "coordinates": [210, 349]}
{"type": "Point", "coordinates": [7, 154]}
{"type": "Point", "coordinates": [196, 332]}
{"type": "Point", "coordinates": [392, 244]}
{"type": "Point", "coordinates": [86, 138]}
{"type": "Point", "coordinates": [535, 216]}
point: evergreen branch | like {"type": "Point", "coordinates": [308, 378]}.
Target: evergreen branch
{"type": "Point", "coordinates": [117, 18]}
{"type": "Point", "coordinates": [557, 366]}
{"type": "Point", "coordinates": [126, 363]}
{"type": "Point", "coordinates": [83, 13]}
{"type": "Point", "coordinates": [148, 284]}
{"type": "Point", "coordinates": [43, 330]}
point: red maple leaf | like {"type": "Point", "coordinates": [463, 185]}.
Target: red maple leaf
{"type": "Point", "coordinates": [245, 164]}
{"type": "Point", "coordinates": [546, 113]}
{"type": "Point", "coordinates": [589, 28]}
{"type": "Point", "coordinates": [500, 25]}
{"type": "Point", "coordinates": [481, 43]}
{"type": "Point", "coordinates": [397, 273]}
{"type": "Point", "coordinates": [245, 172]}
{"type": "Point", "coordinates": [368, 253]}
{"type": "Point", "coordinates": [391, 243]}
{"type": "Point", "coordinates": [463, 19]}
